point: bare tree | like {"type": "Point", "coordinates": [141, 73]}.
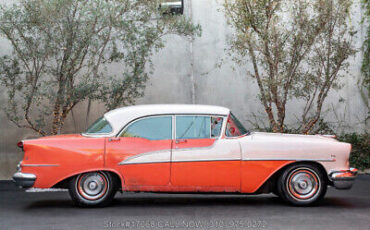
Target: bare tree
{"type": "Point", "coordinates": [298, 49]}
{"type": "Point", "coordinates": [62, 50]}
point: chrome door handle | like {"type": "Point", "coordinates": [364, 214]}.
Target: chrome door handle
{"type": "Point", "coordinates": [181, 141]}
{"type": "Point", "coordinates": [114, 139]}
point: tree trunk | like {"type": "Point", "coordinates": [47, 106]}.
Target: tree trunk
{"type": "Point", "coordinates": [274, 126]}
{"type": "Point", "coordinates": [56, 118]}
{"type": "Point", "coordinates": [309, 126]}
{"type": "Point", "coordinates": [57, 111]}
{"type": "Point", "coordinates": [281, 118]}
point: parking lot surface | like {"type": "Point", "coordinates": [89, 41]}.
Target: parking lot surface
{"type": "Point", "coordinates": [348, 209]}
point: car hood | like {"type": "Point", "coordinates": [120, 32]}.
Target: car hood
{"type": "Point", "coordinates": [282, 137]}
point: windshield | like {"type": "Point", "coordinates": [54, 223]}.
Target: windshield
{"type": "Point", "coordinates": [234, 127]}
{"type": "Point", "coordinates": [100, 126]}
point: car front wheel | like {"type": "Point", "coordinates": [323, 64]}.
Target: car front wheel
{"type": "Point", "coordinates": [92, 189]}
{"type": "Point", "coordinates": [302, 184]}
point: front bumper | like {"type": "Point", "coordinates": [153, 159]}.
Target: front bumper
{"type": "Point", "coordinates": [24, 180]}
{"type": "Point", "coordinates": [343, 179]}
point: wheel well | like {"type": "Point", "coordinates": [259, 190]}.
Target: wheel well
{"type": "Point", "coordinates": [117, 179]}
{"type": "Point", "coordinates": [64, 183]}
{"type": "Point", "coordinates": [270, 184]}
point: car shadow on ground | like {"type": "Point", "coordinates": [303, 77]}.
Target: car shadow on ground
{"type": "Point", "coordinates": [178, 201]}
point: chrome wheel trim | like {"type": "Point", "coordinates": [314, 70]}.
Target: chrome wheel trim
{"type": "Point", "coordinates": [92, 186]}
{"type": "Point", "coordinates": [303, 184]}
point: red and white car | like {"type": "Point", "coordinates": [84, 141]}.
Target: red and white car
{"type": "Point", "coordinates": [183, 148]}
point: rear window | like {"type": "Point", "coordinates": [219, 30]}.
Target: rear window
{"type": "Point", "coordinates": [99, 126]}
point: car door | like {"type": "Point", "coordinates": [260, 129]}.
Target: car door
{"type": "Point", "coordinates": [142, 152]}
{"type": "Point", "coordinates": [201, 161]}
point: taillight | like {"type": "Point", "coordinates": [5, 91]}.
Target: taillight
{"type": "Point", "coordinates": [20, 145]}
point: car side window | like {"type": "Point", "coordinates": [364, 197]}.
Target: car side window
{"type": "Point", "coordinates": [100, 126]}
{"type": "Point", "coordinates": [151, 128]}
{"type": "Point", "coordinates": [198, 127]}
{"type": "Point", "coordinates": [234, 127]}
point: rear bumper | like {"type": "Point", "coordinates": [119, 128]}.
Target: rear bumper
{"type": "Point", "coordinates": [24, 180]}
{"type": "Point", "coordinates": [343, 179]}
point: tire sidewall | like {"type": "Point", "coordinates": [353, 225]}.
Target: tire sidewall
{"type": "Point", "coordinates": [79, 200]}
{"type": "Point", "coordinates": [284, 180]}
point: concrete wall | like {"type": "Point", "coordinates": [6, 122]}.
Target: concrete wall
{"type": "Point", "coordinates": [185, 72]}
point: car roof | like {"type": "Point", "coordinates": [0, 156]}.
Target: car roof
{"type": "Point", "coordinates": [121, 116]}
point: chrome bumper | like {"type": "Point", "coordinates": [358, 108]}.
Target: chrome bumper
{"type": "Point", "coordinates": [343, 179]}
{"type": "Point", "coordinates": [24, 180]}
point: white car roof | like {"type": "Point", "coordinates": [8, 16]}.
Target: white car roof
{"type": "Point", "coordinates": [121, 116]}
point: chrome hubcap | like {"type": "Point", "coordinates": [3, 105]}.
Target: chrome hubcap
{"type": "Point", "coordinates": [92, 186]}
{"type": "Point", "coordinates": [303, 184]}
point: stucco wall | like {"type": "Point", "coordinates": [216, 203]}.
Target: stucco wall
{"type": "Point", "coordinates": [185, 72]}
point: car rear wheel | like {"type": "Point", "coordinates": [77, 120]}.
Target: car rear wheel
{"type": "Point", "coordinates": [302, 184]}
{"type": "Point", "coordinates": [92, 189]}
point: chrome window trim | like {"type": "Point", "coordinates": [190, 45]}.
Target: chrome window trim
{"type": "Point", "coordinates": [222, 126]}
{"type": "Point", "coordinates": [173, 129]}
{"type": "Point", "coordinates": [173, 121]}
{"type": "Point", "coordinates": [96, 134]}
{"type": "Point", "coordinates": [223, 129]}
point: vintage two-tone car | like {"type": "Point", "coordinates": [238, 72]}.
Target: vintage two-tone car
{"type": "Point", "coordinates": [187, 149]}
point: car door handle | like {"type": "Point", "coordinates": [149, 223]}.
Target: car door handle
{"type": "Point", "coordinates": [181, 141]}
{"type": "Point", "coordinates": [114, 139]}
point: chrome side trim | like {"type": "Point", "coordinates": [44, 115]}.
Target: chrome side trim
{"type": "Point", "coordinates": [287, 159]}
{"type": "Point", "coordinates": [177, 161]}
{"type": "Point", "coordinates": [39, 165]}
{"type": "Point", "coordinates": [139, 163]}
{"type": "Point", "coordinates": [194, 148]}
{"type": "Point", "coordinates": [205, 160]}
{"type": "Point", "coordinates": [46, 190]}
{"type": "Point", "coordinates": [124, 162]}
{"type": "Point", "coordinates": [143, 154]}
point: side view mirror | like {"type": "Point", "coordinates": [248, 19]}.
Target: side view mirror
{"type": "Point", "coordinates": [172, 6]}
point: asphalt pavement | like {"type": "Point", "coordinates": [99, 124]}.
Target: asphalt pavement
{"type": "Point", "coordinates": [348, 209]}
